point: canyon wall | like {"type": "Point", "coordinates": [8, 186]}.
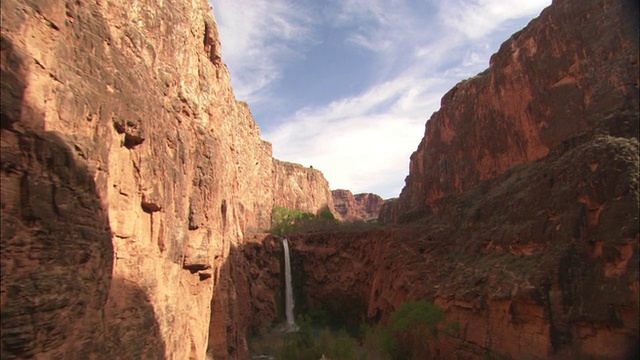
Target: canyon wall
{"type": "Point", "coordinates": [567, 71]}
{"type": "Point", "coordinates": [129, 174]}
{"type": "Point", "coordinates": [520, 213]}
{"type": "Point", "coordinates": [540, 262]}
{"type": "Point", "coordinates": [351, 207]}
{"type": "Point", "coordinates": [132, 179]}
{"type": "Point", "coordinates": [301, 188]}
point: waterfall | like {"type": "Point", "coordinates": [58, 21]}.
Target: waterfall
{"type": "Point", "coordinates": [288, 288]}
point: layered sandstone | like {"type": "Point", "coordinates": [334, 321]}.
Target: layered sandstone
{"type": "Point", "coordinates": [565, 72]}
{"type": "Point", "coordinates": [129, 173]}
{"type": "Point", "coordinates": [365, 206]}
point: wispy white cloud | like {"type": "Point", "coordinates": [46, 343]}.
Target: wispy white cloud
{"type": "Point", "coordinates": [259, 39]}
{"type": "Point", "coordinates": [477, 18]}
{"type": "Point", "coordinates": [380, 24]}
{"type": "Point", "coordinates": [363, 141]}
{"type": "Point", "coordinates": [367, 146]}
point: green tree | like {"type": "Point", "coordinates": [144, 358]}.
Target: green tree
{"type": "Point", "coordinates": [284, 220]}
{"type": "Point", "coordinates": [327, 215]}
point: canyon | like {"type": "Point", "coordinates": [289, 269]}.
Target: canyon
{"type": "Point", "coordinates": [555, 279]}
{"type": "Point", "coordinates": [137, 193]}
{"type": "Point", "coordinates": [364, 206]}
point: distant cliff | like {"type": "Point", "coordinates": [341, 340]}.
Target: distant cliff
{"type": "Point", "coordinates": [364, 206]}
{"type": "Point", "coordinates": [573, 68]}
{"type": "Point", "coordinates": [129, 172]}
{"type": "Point", "coordinates": [301, 188]}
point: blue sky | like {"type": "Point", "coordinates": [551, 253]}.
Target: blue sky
{"type": "Point", "coordinates": [347, 85]}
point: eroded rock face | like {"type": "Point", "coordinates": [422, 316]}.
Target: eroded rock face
{"type": "Point", "coordinates": [538, 262]}
{"type": "Point", "coordinates": [129, 173]}
{"type": "Point", "coordinates": [301, 188]}
{"type": "Point", "coordinates": [364, 206]}
{"type": "Point", "coordinates": [565, 72]}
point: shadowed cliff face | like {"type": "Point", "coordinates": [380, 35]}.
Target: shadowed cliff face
{"type": "Point", "coordinates": [247, 298]}
{"type": "Point", "coordinates": [565, 72]}
{"type": "Point", "coordinates": [57, 255]}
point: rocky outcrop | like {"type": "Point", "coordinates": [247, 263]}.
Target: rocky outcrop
{"type": "Point", "coordinates": [389, 210]}
{"type": "Point", "coordinates": [351, 207]}
{"type": "Point", "coordinates": [129, 173]}
{"type": "Point", "coordinates": [538, 262]}
{"type": "Point", "coordinates": [567, 71]}
{"type": "Point", "coordinates": [301, 188]}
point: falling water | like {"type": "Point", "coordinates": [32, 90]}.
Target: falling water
{"type": "Point", "coordinates": [288, 288]}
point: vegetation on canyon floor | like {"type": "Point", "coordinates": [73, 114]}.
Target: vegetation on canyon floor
{"type": "Point", "coordinates": [289, 221]}
{"type": "Point", "coordinates": [285, 221]}
{"type": "Point", "coordinates": [411, 330]}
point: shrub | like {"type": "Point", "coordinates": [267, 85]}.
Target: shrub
{"type": "Point", "coordinates": [284, 220]}
{"type": "Point", "coordinates": [335, 346]}
{"type": "Point", "coordinates": [377, 343]}
{"type": "Point", "coordinates": [413, 327]}
{"type": "Point", "coordinates": [307, 344]}
{"type": "Point", "coordinates": [327, 215]}
{"type": "Point", "coordinates": [287, 221]}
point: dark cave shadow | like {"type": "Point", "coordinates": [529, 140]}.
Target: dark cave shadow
{"type": "Point", "coordinates": [58, 297]}
{"type": "Point", "coordinates": [247, 296]}
{"type": "Point", "coordinates": [252, 278]}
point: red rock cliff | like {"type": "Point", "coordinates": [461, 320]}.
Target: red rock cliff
{"type": "Point", "coordinates": [299, 187]}
{"type": "Point", "coordinates": [129, 172]}
{"type": "Point", "coordinates": [541, 261]}
{"type": "Point", "coordinates": [356, 207]}
{"type": "Point", "coordinates": [563, 73]}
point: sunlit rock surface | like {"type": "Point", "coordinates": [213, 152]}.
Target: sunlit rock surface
{"type": "Point", "coordinates": [365, 206]}
{"type": "Point", "coordinates": [573, 68]}
{"type": "Point", "coordinates": [129, 172]}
